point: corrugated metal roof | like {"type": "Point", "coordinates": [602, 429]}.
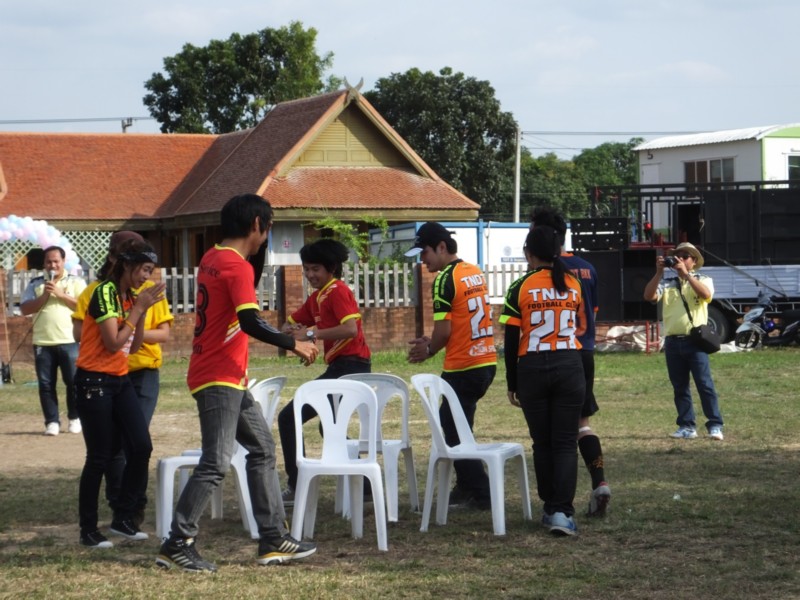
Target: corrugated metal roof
{"type": "Point", "coordinates": [712, 137]}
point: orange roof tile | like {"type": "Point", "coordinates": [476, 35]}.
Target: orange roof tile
{"type": "Point", "coordinates": [363, 187]}
{"type": "Point", "coordinates": [94, 176]}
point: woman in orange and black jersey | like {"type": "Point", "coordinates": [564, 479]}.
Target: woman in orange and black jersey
{"type": "Point", "coordinates": [544, 371]}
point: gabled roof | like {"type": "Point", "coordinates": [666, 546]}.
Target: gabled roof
{"type": "Point", "coordinates": [121, 177]}
{"type": "Point", "coordinates": [56, 176]}
{"type": "Point", "coordinates": [261, 161]}
{"type": "Point", "coordinates": [713, 137]}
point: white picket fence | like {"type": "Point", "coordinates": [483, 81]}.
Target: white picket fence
{"type": "Point", "coordinates": [384, 285]}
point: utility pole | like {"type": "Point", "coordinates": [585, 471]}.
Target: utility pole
{"type": "Point", "coordinates": [517, 176]}
{"type": "Point", "coordinates": [126, 123]}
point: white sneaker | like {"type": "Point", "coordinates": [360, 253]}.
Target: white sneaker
{"type": "Point", "coordinates": [715, 433]}
{"type": "Point", "coordinates": [685, 433]}
{"type": "Point", "coordinates": [52, 429]}
{"type": "Point", "coordinates": [75, 426]}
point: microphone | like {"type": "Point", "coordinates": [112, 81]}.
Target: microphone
{"type": "Point", "coordinates": [52, 275]}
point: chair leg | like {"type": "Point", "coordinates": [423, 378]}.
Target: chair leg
{"type": "Point", "coordinates": [310, 517]}
{"type": "Point", "coordinates": [446, 470]}
{"type": "Point", "coordinates": [390, 474]}
{"type": "Point", "coordinates": [429, 483]}
{"type": "Point", "coordinates": [524, 490]}
{"type": "Point", "coordinates": [378, 502]}
{"type": "Point", "coordinates": [164, 494]}
{"type": "Point", "coordinates": [411, 474]}
{"type": "Point", "coordinates": [243, 493]}
{"type": "Point", "coordinates": [356, 485]}
{"type": "Point", "coordinates": [497, 491]}
{"type": "Point", "coordinates": [300, 502]}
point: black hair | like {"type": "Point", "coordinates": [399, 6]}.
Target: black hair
{"type": "Point", "coordinates": [327, 252]}
{"type": "Point", "coordinates": [132, 252]}
{"type": "Point", "coordinates": [543, 215]}
{"type": "Point", "coordinates": [239, 213]}
{"type": "Point", "coordinates": [52, 248]}
{"type": "Point", "coordinates": [543, 243]}
{"type": "Point", "coordinates": [451, 244]}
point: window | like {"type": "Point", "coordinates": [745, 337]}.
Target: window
{"type": "Point", "coordinates": [715, 171]}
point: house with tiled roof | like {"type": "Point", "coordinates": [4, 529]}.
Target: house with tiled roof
{"type": "Point", "coordinates": [329, 155]}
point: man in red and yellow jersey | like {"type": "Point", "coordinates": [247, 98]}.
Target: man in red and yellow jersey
{"type": "Point", "coordinates": [227, 315]}
{"type": "Point", "coordinates": [462, 326]}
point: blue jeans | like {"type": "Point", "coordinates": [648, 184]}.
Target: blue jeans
{"type": "Point", "coordinates": [228, 415]}
{"type": "Point", "coordinates": [470, 386]}
{"type": "Point", "coordinates": [683, 359]}
{"type": "Point", "coordinates": [48, 360]}
{"type": "Point", "coordinates": [146, 384]}
{"type": "Point", "coordinates": [551, 389]}
{"type": "Point", "coordinates": [109, 411]}
{"type": "Point", "coordinates": [337, 368]}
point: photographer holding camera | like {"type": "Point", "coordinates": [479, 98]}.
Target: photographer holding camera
{"type": "Point", "coordinates": [684, 358]}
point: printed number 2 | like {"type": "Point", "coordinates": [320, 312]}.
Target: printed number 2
{"type": "Point", "coordinates": [477, 308]}
{"type": "Point", "coordinates": [544, 325]}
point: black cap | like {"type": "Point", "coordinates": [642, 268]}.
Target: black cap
{"type": "Point", "coordinates": [429, 234]}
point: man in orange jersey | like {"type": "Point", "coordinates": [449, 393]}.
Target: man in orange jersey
{"type": "Point", "coordinates": [462, 326]}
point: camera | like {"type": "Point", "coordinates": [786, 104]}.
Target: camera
{"type": "Point", "coordinates": [670, 261]}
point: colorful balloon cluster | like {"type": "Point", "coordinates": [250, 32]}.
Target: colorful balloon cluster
{"type": "Point", "coordinates": [39, 233]}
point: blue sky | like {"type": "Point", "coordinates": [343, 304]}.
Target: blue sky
{"type": "Point", "coordinates": [569, 65]}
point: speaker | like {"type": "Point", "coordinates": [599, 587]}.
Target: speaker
{"type": "Point", "coordinates": [609, 283]}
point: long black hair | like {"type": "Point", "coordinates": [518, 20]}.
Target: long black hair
{"type": "Point", "coordinates": [544, 243]}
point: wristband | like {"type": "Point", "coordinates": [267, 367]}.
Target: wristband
{"type": "Point", "coordinates": [129, 324]}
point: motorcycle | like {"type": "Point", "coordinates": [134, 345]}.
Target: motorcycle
{"type": "Point", "coordinates": [759, 329]}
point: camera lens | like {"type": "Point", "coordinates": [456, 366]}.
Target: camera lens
{"type": "Point", "coordinates": [670, 261]}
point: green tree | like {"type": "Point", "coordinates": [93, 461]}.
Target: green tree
{"type": "Point", "coordinates": [231, 84]}
{"type": "Point", "coordinates": [455, 124]}
{"type": "Point", "coordinates": [612, 163]}
{"type": "Point", "coordinates": [551, 182]}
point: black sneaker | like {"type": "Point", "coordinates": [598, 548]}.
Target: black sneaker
{"type": "Point", "coordinates": [127, 529]}
{"type": "Point", "coordinates": [277, 550]}
{"type": "Point", "coordinates": [182, 553]}
{"type": "Point", "coordinates": [459, 497]}
{"type": "Point", "coordinates": [287, 496]}
{"type": "Point", "coordinates": [95, 539]}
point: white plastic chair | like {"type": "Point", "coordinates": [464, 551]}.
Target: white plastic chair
{"type": "Point", "coordinates": [387, 387]}
{"type": "Point", "coordinates": [494, 455]}
{"type": "Point", "coordinates": [267, 394]}
{"type": "Point", "coordinates": [354, 398]}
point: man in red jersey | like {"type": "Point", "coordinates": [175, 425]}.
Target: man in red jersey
{"type": "Point", "coordinates": [462, 326]}
{"type": "Point", "coordinates": [227, 315]}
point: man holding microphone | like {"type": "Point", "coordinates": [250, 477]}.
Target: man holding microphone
{"type": "Point", "coordinates": [52, 299]}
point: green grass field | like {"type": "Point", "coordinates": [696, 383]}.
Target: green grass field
{"type": "Point", "coordinates": [688, 518]}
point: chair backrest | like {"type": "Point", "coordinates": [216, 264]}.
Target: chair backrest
{"type": "Point", "coordinates": [251, 382]}
{"type": "Point", "coordinates": [386, 387]}
{"type": "Point", "coordinates": [430, 388]}
{"type": "Point", "coordinates": [353, 397]}
{"type": "Point", "coordinates": [267, 393]}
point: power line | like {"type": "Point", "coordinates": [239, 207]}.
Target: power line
{"type": "Point", "coordinates": [630, 133]}
{"type": "Point", "coordinates": [81, 120]}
